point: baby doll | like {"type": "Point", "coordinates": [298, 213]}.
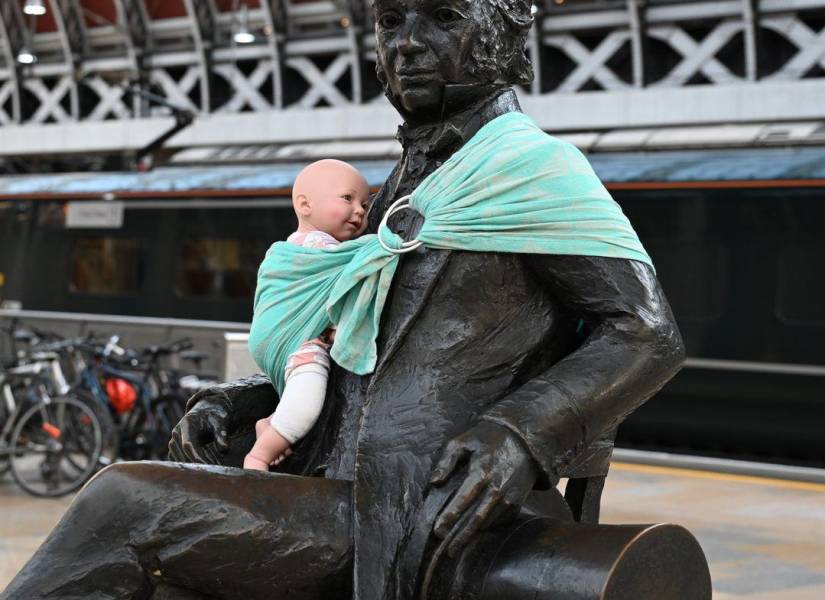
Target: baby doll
{"type": "Point", "coordinates": [330, 199]}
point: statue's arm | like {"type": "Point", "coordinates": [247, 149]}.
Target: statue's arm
{"type": "Point", "coordinates": [219, 415]}
{"type": "Point", "coordinates": [247, 396]}
{"type": "Point", "coordinates": [633, 348]}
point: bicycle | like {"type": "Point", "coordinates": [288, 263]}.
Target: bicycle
{"type": "Point", "coordinates": [141, 395]}
{"type": "Point", "coordinates": [51, 444]}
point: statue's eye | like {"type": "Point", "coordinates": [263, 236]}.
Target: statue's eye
{"type": "Point", "coordinates": [447, 16]}
{"type": "Point", "coordinates": [389, 20]}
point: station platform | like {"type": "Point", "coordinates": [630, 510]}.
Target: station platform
{"type": "Point", "coordinates": [764, 537]}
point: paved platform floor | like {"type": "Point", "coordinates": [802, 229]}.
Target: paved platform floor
{"type": "Point", "coordinates": [765, 539]}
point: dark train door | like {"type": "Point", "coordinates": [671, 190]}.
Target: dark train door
{"type": "Point", "coordinates": [15, 231]}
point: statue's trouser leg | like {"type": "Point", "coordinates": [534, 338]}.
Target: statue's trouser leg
{"type": "Point", "coordinates": [221, 531]}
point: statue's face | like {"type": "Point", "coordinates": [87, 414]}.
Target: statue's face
{"type": "Point", "coordinates": [425, 44]}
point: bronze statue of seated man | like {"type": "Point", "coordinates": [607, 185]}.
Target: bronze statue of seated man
{"type": "Point", "coordinates": [433, 477]}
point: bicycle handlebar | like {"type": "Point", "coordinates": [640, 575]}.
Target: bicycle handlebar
{"type": "Point", "coordinates": [175, 347]}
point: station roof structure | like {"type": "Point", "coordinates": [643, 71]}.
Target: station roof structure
{"type": "Point", "coordinates": [764, 167]}
{"type": "Point", "coordinates": [113, 77]}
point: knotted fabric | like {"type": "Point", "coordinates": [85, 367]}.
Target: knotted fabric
{"type": "Point", "coordinates": [511, 188]}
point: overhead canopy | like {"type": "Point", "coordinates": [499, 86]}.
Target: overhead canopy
{"type": "Point", "coordinates": [762, 164]}
{"type": "Point", "coordinates": [776, 166]}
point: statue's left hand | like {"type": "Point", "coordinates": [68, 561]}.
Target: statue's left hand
{"type": "Point", "coordinates": [500, 474]}
{"type": "Point", "coordinates": [192, 439]}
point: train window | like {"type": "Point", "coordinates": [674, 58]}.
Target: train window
{"type": "Point", "coordinates": [693, 274]}
{"type": "Point", "coordinates": [799, 290]}
{"type": "Point", "coordinates": [211, 267]}
{"type": "Point", "coordinates": [105, 265]}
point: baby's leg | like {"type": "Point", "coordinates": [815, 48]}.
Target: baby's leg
{"type": "Point", "coordinates": [299, 407]}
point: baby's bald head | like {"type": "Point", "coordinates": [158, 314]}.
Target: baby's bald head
{"type": "Point", "coordinates": [331, 196]}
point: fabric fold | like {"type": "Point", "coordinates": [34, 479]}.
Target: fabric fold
{"type": "Point", "coordinates": [511, 188]}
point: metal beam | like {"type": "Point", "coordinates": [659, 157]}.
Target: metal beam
{"type": "Point", "coordinates": [71, 28]}
{"type": "Point", "coordinates": [12, 39]}
{"type": "Point", "coordinates": [355, 37]}
{"type": "Point", "coordinates": [635, 18]}
{"type": "Point", "coordinates": [276, 17]}
{"type": "Point", "coordinates": [750, 19]}
{"type": "Point", "coordinates": [695, 105]}
{"type": "Point", "coordinates": [68, 18]}
{"type": "Point", "coordinates": [361, 13]}
{"type": "Point", "coordinates": [201, 15]}
{"type": "Point", "coordinates": [133, 22]}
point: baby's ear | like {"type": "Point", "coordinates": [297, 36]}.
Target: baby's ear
{"type": "Point", "coordinates": [303, 206]}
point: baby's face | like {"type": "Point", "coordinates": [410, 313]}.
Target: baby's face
{"type": "Point", "coordinates": [340, 204]}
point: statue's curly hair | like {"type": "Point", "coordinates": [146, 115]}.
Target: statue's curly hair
{"type": "Point", "coordinates": [501, 54]}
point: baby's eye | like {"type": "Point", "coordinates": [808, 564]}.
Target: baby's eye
{"type": "Point", "coordinates": [347, 197]}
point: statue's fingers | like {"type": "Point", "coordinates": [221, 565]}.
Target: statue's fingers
{"type": "Point", "coordinates": [186, 435]}
{"type": "Point", "coordinates": [471, 525]}
{"type": "Point", "coordinates": [188, 450]}
{"type": "Point", "coordinates": [174, 445]}
{"type": "Point", "coordinates": [209, 455]}
{"type": "Point", "coordinates": [219, 433]}
{"type": "Point", "coordinates": [463, 499]}
{"type": "Point", "coordinates": [498, 512]}
{"type": "Point", "coordinates": [452, 455]}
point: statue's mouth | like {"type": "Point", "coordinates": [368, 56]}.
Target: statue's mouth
{"type": "Point", "coordinates": [415, 77]}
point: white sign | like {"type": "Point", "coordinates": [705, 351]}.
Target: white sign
{"type": "Point", "coordinates": [101, 215]}
{"type": "Point", "coordinates": [237, 360]}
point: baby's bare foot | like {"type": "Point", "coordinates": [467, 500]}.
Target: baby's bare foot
{"type": "Point", "coordinates": [255, 464]}
{"type": "Point", "coordinates": [280, 459]}
{"type": "Point", "coordinates": [261, 425]}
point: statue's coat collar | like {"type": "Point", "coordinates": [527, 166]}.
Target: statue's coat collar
{"type": "Point", "coordinates": [465, 110]}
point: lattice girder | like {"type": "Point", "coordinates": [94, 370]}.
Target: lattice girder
{"type": "Point", "coordinates": [289, 67]}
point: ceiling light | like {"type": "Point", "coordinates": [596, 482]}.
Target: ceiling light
{"type": "Point", "coordinates": [242, 34]}
{"type": "Point", "coordinates": [26, 57]}
{"type": "Point", "coordinates": [34, 7]}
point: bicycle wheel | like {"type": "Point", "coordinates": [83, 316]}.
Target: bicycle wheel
{"type": "Point", "coordinates": [111, 432]}
{"type": "Point", "coordinates": [4, 458]}
{"type": "Point", "coordinates": [167, 411]}
{"type": "Point", "coordinates": [55, 447]}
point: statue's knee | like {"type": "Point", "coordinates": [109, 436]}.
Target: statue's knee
{"type": "Point", "coordinates": [112, 490]}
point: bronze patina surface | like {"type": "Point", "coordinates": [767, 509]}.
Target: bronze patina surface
{"type": "Point", "coordinates": [435, 476]}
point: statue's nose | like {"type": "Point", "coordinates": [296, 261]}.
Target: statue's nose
{"type": "Point", "coordinates": [409, 40]}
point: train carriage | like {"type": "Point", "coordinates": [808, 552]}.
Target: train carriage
{"type": "Point", "coordinates": [738, 238]}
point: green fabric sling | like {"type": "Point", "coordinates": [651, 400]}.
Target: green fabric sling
{"type": "Point", "coordinates": [511, 188]}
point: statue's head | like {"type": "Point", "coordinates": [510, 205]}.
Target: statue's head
{"type": "Point", "coordinates": [426, 45]}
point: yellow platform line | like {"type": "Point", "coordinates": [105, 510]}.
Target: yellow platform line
{"type": "Point", "coordinates": [697, 474]}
